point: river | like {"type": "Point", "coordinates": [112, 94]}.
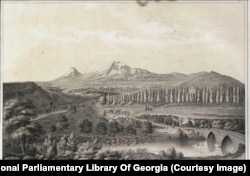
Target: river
{"type": "Point", "coordinates": [188, 148]}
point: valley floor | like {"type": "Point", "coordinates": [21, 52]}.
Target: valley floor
{"type": "Point", "coordinates": [153, 144]}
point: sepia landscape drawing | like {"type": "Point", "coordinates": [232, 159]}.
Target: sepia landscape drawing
{"type": "Point", "coordinates": [120, 81]}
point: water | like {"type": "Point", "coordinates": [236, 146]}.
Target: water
{"type": "Point", "coordinates": [188, 148]}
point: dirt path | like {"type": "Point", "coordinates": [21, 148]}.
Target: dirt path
{"type": "Point", "coordinates": [48, 115]}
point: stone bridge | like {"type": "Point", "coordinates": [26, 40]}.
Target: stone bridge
{"type": "Point", "coordinates": [227, 140]}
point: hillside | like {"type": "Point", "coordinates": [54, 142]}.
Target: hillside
{"type": "Point", "coordinates": [38, 96]}
{"type": "Point", "coordinates": [209, 79]}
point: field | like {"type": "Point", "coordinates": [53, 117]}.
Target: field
{"type": "Point", "coordinates": [185, 111]}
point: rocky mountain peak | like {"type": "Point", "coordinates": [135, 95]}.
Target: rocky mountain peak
{"type": "Point", "coordinates": [73, 72]}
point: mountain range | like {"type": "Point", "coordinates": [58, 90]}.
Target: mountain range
{"type": "Point", "coordinates": [118, 72]}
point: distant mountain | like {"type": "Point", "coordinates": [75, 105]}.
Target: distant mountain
{"type": "Point", "coordinates": [118, 72]}
{"type": "Point", "coordinates": [209, 79]}
{"type": "Point", "coordinates": [72, 73]}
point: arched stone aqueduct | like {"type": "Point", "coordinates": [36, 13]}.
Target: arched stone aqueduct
{"type": "Point", "coordinates": [227, 140]}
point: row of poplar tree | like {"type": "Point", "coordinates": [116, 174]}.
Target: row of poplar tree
{"type": "Point", "coordinates": [222, 94]}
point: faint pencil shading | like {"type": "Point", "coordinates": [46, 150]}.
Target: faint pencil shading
{"type": "Point", "coordinates": [145, 80]}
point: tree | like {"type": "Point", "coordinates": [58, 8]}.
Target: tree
{"type": "Point", "coordinates": [62, 118]}
{"type": "Point", "coordinates": [137, 124]}
{"type": "Point", "coordinates": [61, 126]}
{"type": "Point", "coordinates": [104, 112]}
{"type": "Point", "coordinates": [18, 124]}
{"type": "Point", "coordinates": [113, 128]}
{"type": "Point", "coordinates": [51, 105]}
{"type": "Point", "coordinates": [171, 153]}
{"type": "Point", "coordinates": [103, 99]}
{"type": "Point", "coordinates": [67, 146]}
{"type": "Point", "coordinates": [130, 130]}
{"type": "Point", "coordinates": [120, 128]}
{"type": "Point", "coordinates": [49, 147]}
{"type": "Point", "coordinates": [101, 128]}
{"type": "Point", "coordinates": [53, 128]}
{"type": "Point", "coordinates": [18, 106]}
{"type": "Point", "coordinates": [86, 126]}
{"type": "Point", "coordinates": [62, 123]}
{"type": "Point", "coordinates": [147, 127]}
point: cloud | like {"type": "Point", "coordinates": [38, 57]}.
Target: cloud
{"type": "Point", "coordinates": [155, 29]}
{"type": "Point", "coordinates": [153, 35]}
{"type": "Point", "coordinates": [115, 39]}
{"type": "Point", "coordinates": [56, 37]}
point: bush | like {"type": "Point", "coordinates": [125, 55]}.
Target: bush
{"type": "Point", "coordinates": [67, 147]}
{"type": "Point", "coordinates": [179, 155]}
{"type": "Point", "coordinates": [170, 154]}
{"type": "Point", "coordinates": [108, 155]}
{"type": "Point", "coordinates": [49, 148]}
{"type": "Point", "coordinates": [53, 128]}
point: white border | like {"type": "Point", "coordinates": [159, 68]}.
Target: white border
{"type": "Point", "coordinates": [247, 79]}
{"type": "Point", "coordinates": [247, 48]}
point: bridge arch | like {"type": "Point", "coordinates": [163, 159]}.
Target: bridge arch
{"type": "Point", "coordinates": [227, 145]}
{"type": "Point", "coordinates": [211, 141]}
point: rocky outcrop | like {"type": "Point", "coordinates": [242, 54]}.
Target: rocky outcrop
{"type": "Point", "coordinates": [15, 89]}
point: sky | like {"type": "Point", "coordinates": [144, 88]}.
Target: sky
{"type": "Point", "coordinates": [42, 40]}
